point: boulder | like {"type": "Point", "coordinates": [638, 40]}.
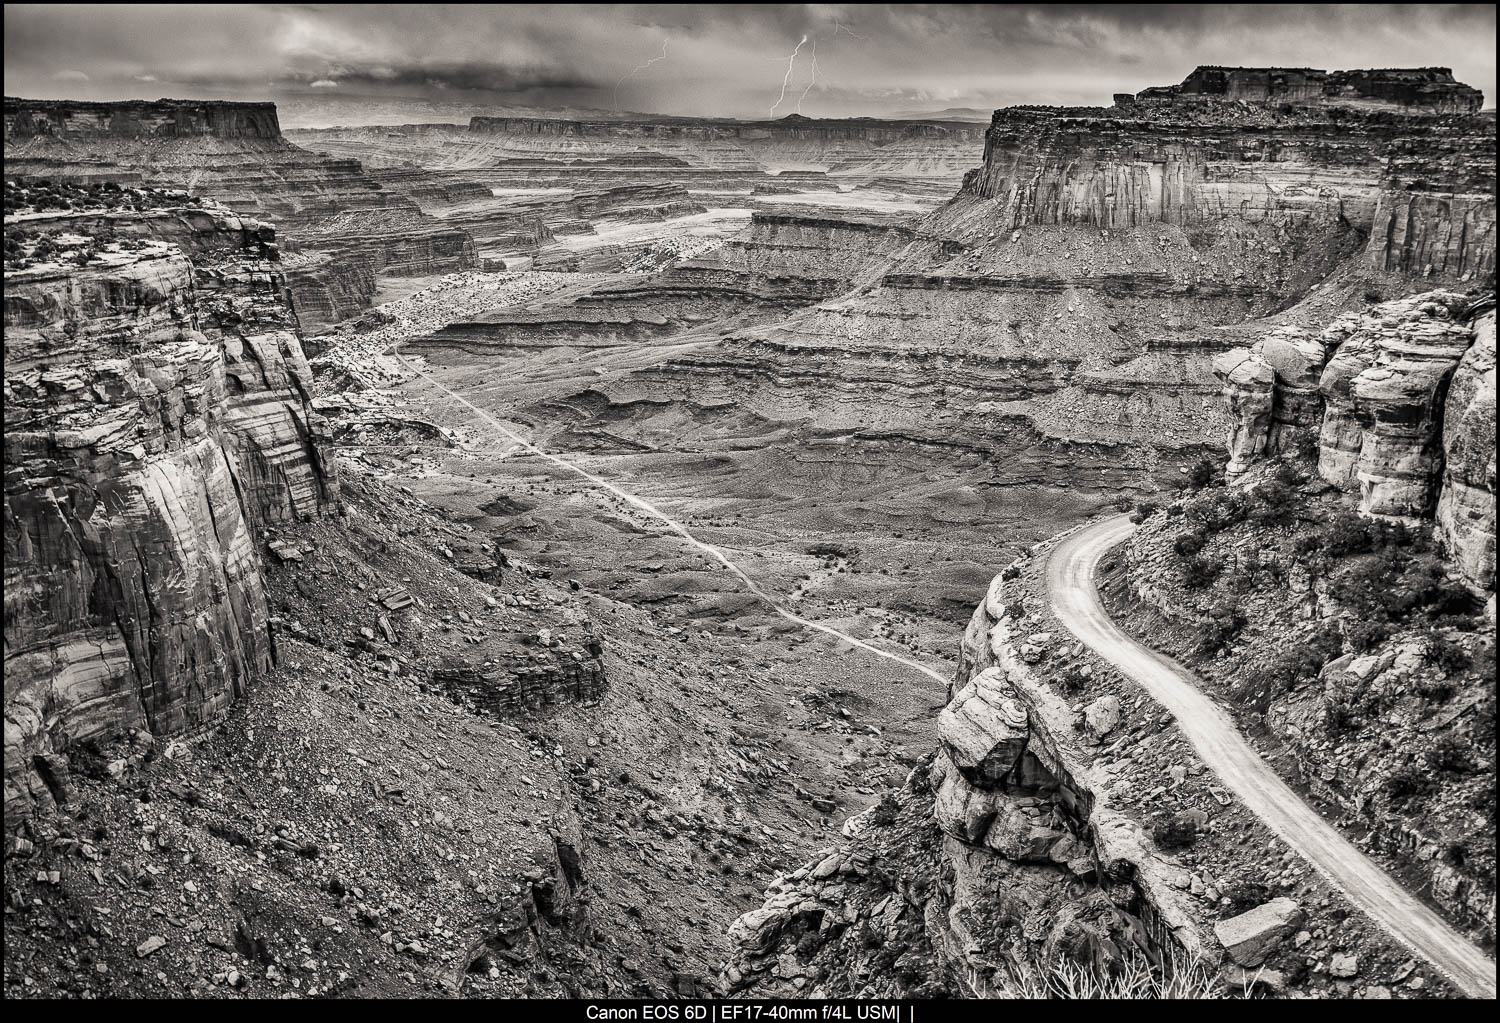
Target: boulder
{"type": "Point", "coordinates": [1102, 716]}
{"type": "Point", "coordinates": [1253, 935]}
{"type": "Point", "coordinates": [984, 729]}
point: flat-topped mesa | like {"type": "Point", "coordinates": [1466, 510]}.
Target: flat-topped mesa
{"type": "Point", "coordinates": [1398, 162]}
{"type": "Point", "coordinates": [1425, 89]}
{"type": "Point", "coordinates": [157, 410]}
{"type": "Point", "coordinates": [162, 118]}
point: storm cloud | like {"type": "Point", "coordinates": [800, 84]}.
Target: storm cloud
{"type": "Point", "coordinates": [726, 60]}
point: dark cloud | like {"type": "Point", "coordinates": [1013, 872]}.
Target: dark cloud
{"type": "Point", "coordinates": [728, 60]}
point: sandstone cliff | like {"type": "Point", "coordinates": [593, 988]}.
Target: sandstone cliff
{"type": "Point", "coordinates": [157, 413]}
{"type": "Point", "coordinates": [1397, 400]}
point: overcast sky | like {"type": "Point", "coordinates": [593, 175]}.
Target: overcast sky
{"type": "Point", "coordinates": [725, 60]}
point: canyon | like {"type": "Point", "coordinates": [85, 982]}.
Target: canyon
{"type": "Point", "coordinates": [468, 490]}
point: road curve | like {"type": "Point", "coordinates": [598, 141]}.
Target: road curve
{"type": "Point", "coordinates": [1075, 599]}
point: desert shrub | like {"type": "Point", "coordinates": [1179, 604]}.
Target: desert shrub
{"type": "Point", "coordinates": [1203, 473]}
{"type": "Point", "coordinates": [1451, 657]}
{"type": "Point", "coordinates": [1016, 609]}
{"type": "Point", "coordinates": [1340, 718]}
{"type": "Point", "coordinates": [1406, 784]}
{"type": "Point", "coordinates": [1200, 572]}
{"type": "Point", "coordinates": [1218, 512]}
{"type": "Point", "coordinates": [1242, 896]}
{"type": "Point", "coordinates": [1305, 659]}
{"type": "Point", "coordinates": [1276, 503]}
{"type": "Point", "coordinates": [1365, 636]}
{"type": "Point", "coordinates": [1143, 511]}
{"type": "Point", "coordinates": [1174, 830]}
{"type": "Point", "coordinates": [885, 812]}
{"type": "Point", "coordinates": [1451, 755]}
{"type": "Point", "coordinates": [1123, 503]}
{"type": "Point", "coordinates": [1010, 572]}
{"type": "Point", "coordinates": [1346, 533]}
{"type": "Point", "coordinates": [1190, 543]}
{"type": "Point", "coordinates": [1225, 622]}
{"type": "Point", "coordinates": [1073, 680]}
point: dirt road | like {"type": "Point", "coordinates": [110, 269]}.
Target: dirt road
{"type": "Point", "coordinates": [1211, 730]}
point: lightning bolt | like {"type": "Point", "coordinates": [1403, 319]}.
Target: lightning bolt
{"type": "Point", "coordinates": [791, 62]}
{"type": "Point", "coordinates": [639, 68]}
{"type": "Point", "coordinates": [840, 27]}
{"type": "Point", "coordinates": [814, 79]}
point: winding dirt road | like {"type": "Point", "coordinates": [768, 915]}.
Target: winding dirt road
{"type": "Point", "coordinates": [1211, 730]}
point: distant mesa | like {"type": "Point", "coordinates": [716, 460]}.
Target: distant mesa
{"type": "Point", "coordinates": [1426, 88]}
{"type": "Point", "coordinates": [162, 118]}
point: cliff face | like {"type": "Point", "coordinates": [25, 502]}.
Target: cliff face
{"type": "Point", "coordinates": [1400, 403]}
{"type": "Point", "coordinates": [1466, 499]}
{"type": "Point", "coordinates": [1310, 172]}
{"type": "Point", "coordinates": [157, 412]}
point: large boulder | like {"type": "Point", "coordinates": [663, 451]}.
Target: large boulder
{"type": "Point", "coordinates": [984, 729]}
{"type": "Point", "coordinates": [1253, 935]}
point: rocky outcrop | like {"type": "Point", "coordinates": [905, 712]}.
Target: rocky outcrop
{"type": "Point", "coordinates": [1401, 401]}
{"type": "Point", "coordinates": [1272, 390]}
{"type": "Point", "coordinates": [1385, 387]}
{"type": "Point", "coordinates": [1250, 394]}
{"type": "Point", "coordinates": [1022, 815]}
{"type": "Point", "coordinates": [561, 673]}
{"type": "Point", "coordinates": [157, 410]}
{"type": "Point", "coordinates": [1466, 504]}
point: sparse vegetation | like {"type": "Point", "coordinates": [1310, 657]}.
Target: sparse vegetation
{"type": "Point", "coordinates": [1133, 976]}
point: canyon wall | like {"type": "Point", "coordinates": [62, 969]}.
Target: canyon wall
{"type": "Point", "coordinates": [340, 226]}
{"type": "Point", "coordinates": [157, 413]}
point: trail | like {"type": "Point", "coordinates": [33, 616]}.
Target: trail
{"type": "Point", "coordinates": [1213, 733]}
{"type": "Point", "coordinates": [667, 520]}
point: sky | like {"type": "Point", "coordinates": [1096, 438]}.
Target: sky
{"type": "Point", "coordinates": [729, 60]}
